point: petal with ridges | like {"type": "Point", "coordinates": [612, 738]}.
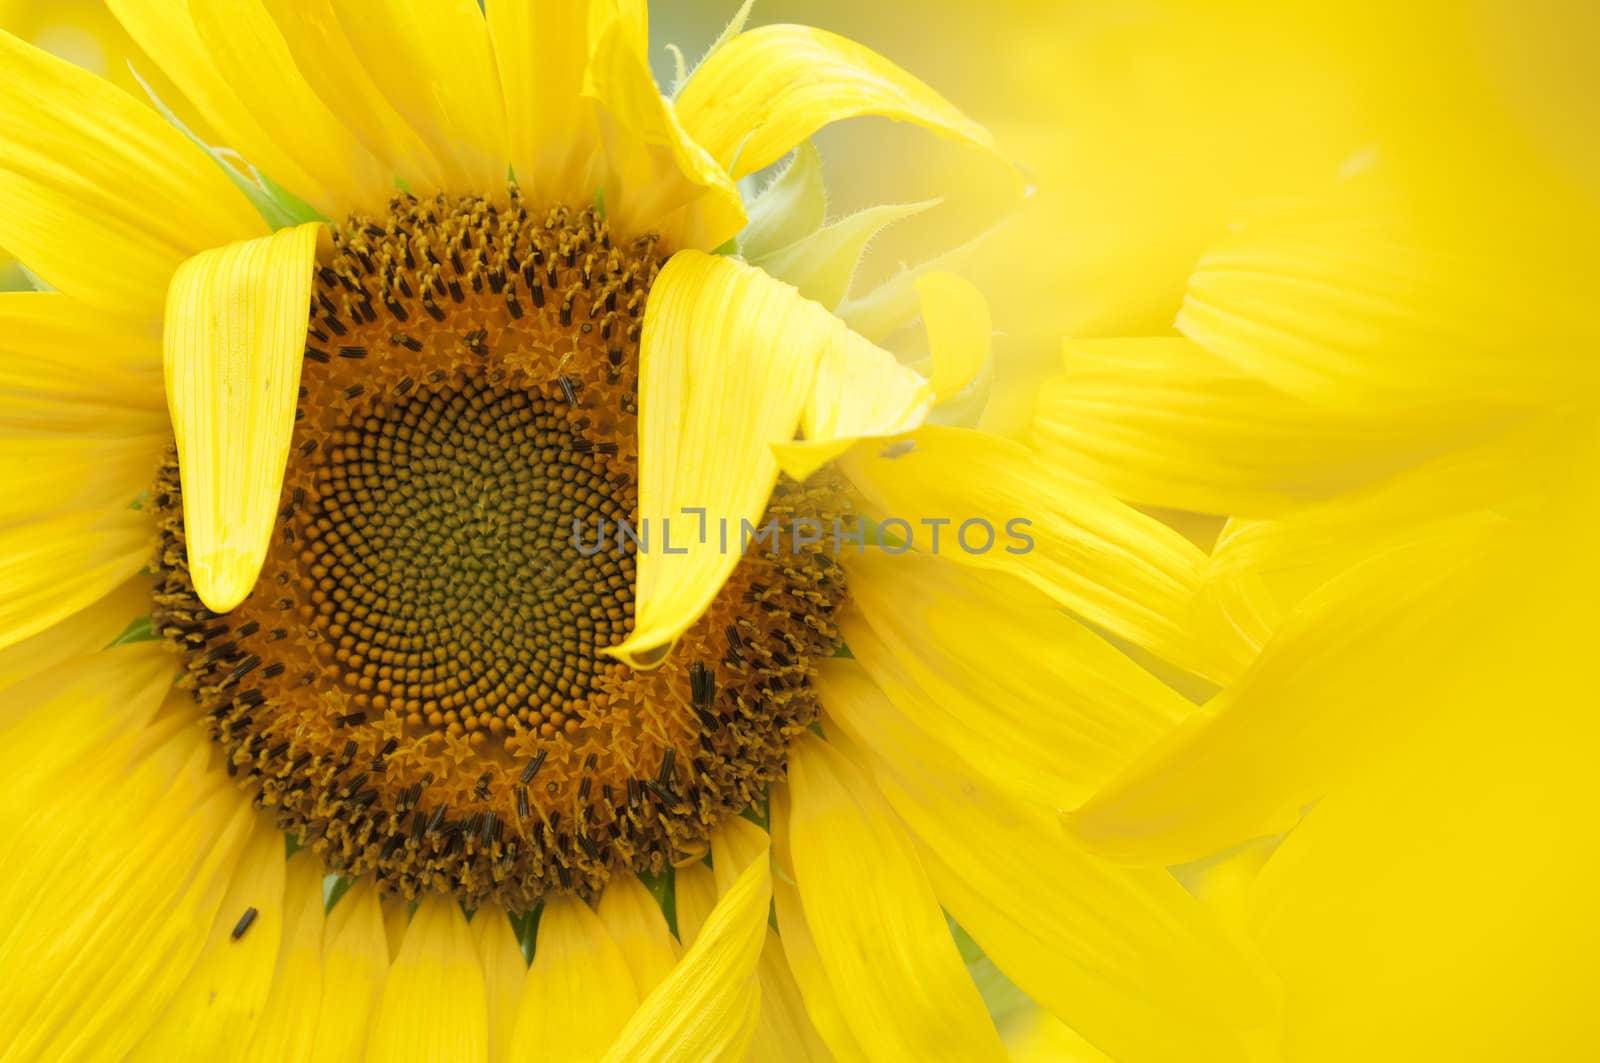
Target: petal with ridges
{"type": "Point", "coordinates": [733, 362]}
{"type": "Point", "coordinates": [1030, 698]}
{"type": "Point", "coordinates": [875, 919]}
{"type": "Point", "coordinates": [504, 970]}
{"type": "Point", "coordinates": [767, 90]}
{"type": "Point", "coordinates": [54, 328]}
{"type": "Point", "coordinates": [800, 948]}
{"type": "Point", "coordinates": [433, 61]}
{"type": "Point", "coordinates": [434, 1004]}
{"type": "Point", "coordinates": [97, 229]}
{"type": "Point", "coordinates": [579, 991]}
{"type": "Point", "coordinates": [1117, 568]}
{"type": "Point", "coordinates": [84, 632]}
{"type": "Point", "coordinates": [50, 569]}
{"type": "Point", "coordinates": [542, 49]}
{"type": "Point", "coordinates": [706, 1009]}
{"type": "Point", "coordinates": [236, 328]}
{"type": "Point", "coordinates": [1124, 955]}
{"type": "Point", "coordinates": [225, 992]}
{"type": "Point", "coordinates": [243, 40]}
{"type": "Point", "coordinates": [657, 179]}
{"type": "Point", "coordinates": [634, 921]}
{"type": "Point", "coordinates": [784, 1033]}
{"type": "Point", "coordinates": [287, 1025]}
{"type": "Point", "coordinates": [355, 964]}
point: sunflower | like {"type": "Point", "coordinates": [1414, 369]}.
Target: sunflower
{"type": "Point", "coordinates": [452, 471]}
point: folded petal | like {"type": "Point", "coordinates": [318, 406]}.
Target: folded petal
{"type": "Point", "coordinates": [768, 89]}
{"type": "Point", "coordinates": [1117, 568]}
{"type": "Point", "coordinates": [875, 919]}
{"type": "Point", "coordinates": [434, 1004]}
{"type": "Point", "coordinates": [235, 338]}
{"type": "Point", "coordinates": [656, 178]}
{"type": "Point", "coordinates": [1302, 718]}
{"type": "Point", "coordinates": [706, 1008]}
{"type": "Point", "coordinates": [99, 227]}
{"type": "Point", "coordinates": [735, 363]}
{"type": "Point", "coordinates": [1124, 955]}
{"type": "Point", "coordinates": [1029, 698]}
{"type": "Point", "coordinates": [579, 992]}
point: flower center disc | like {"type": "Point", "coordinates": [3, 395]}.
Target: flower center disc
{"type": "Point", "coordinates": [417, 685]}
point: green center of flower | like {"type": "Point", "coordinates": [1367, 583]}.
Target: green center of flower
{"type": "Point", "coordinates": [417, 686]}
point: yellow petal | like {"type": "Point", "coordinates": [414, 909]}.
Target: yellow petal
{"type": "Point", "coordinates": [706, 1009]}
{"type": "Point", "coordinates": [1163, 422]}
{"type": "Point", "coordinates": [1207, 785]}
{"type": "Point", "coordinates": [542, 50]}
{"type": "Point", "coordinates": [695, 894]}
{"type": "Point", "coordinates": [433, 61]}
{"type": "Point", "coordinates": [956, 316]}
{"type": "Point", "coordinates": [1362, 300]}
{"type": "Point", "coordinates": [1124, 955]}
{"type": "Point", "coordinates": [657, 179]}
{"type": "Point", "coordinates": [90, 629]}
{"type": "Point", "coordinates": [784, 1032]}
{"type": "Point", "coordinates": [768, 89]}
{"type": "Point", "coordinates": [1028, 697]}
{"type": "Point", "coordinates": [634, 921]}
{"type": "Point", "coordinates": [53, 329]}
{"type": "Point", "coordinates": [791, 206]}
{"type": "Point", "coordinates": [43, 477]}
{"type": "Point", "coordinates": [50, 569]}
{"type": "Point", "coordinates": [817, 992]}
{"type": "Point", "coordinates": [433, 1005]}
{"type": "Point", "coordinates": [165, 29]}
{"type": "Point", "coordinates": [101, 908]}
{"type": "Point", "coordinates": [242, 39]}
{"type": "Point", "coordinates": [504, 970]}
{"type": "Point", "coordinates": [225, 993]}
{"type": "Point", "coordinates": [879, 932]}
{"type": "Point", "coordinates": [1117, 568]}
{"type": "Point", "coordinates": [579, 991]}
{"type": "Point", "coordinates": [236, 327]}
{"type": "Point", "coordinates": [325, 57]}
{"type": "Point", "coordinates": [355, 964]}
{"type": "Point", "coordinates": [287, 1025]}
{"type": "Point", "coordinates": [735, 845]}
{"type": "Point", "coordinates": [822, 263]}
{"type": "Point", "coordinates": [87, 179]}
{"type": "Point", "coordinates": [733, 363]}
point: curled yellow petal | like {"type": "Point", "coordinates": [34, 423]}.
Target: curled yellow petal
{"type": "Point", "coordinates": [235, 337]}
{"type": "Point", "coordinates": [764, 91]}
{"type": "Point", "coordinates": [734, 364]}
{"type": "Point", "coordinates": [706, 1009]}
